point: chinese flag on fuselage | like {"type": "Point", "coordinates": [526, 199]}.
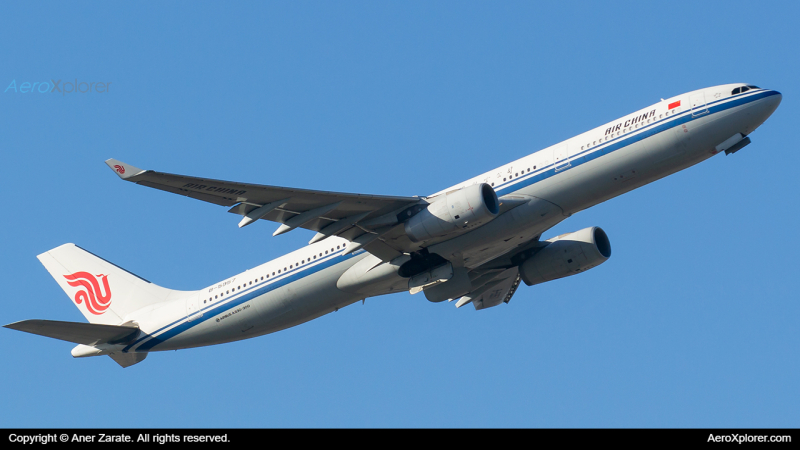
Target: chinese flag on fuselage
{"type": "Point", "coordinates": [674, 105]}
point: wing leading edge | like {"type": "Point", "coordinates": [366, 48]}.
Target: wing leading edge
{"type": "Point", "coordinates": [361, 219]}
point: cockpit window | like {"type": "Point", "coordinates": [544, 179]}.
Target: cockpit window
{"type": "Point", "coordinates": [743, 89]}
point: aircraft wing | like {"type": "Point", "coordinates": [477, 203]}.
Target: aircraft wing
{"type": "Point", "coordinates": [361, 219]}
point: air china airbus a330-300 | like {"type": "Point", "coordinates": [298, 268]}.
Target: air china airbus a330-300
{"type": "Point", "coordinates": [469, 243]}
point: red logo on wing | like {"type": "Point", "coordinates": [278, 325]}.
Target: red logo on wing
{"type": "Point", "coordinates": [119, 168]}
{"type": "Point", "coordinates": [96, 301]}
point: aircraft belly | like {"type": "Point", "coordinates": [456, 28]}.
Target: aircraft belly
{"type": "Point", "coordinates": [307, 299]}
{"type": "Point", "coordinates": [605, 177]}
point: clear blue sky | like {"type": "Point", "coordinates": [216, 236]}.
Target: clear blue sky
{"type": "Point", "coordinates": [693, 322]}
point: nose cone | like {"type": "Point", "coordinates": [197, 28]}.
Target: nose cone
{"type": "Point", "coordinates": [771, 103]}
{"type": "Point", "coordinates": [760, 110]}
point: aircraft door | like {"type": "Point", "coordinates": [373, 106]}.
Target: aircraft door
{"type": "Point", "coordinates": [561, 157]}
{"type": "Point", "coordinates": [698, 102]}
{"type": "Point", "coordinates": [192, 308]}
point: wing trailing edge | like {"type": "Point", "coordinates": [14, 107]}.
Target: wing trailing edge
{"type": "Point", "coordinates": [360, 218]}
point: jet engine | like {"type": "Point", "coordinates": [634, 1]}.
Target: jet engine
{"type": "Point", "coordinates": [463, 209]}
{"type": "Point", "coordinates": [567, 255]}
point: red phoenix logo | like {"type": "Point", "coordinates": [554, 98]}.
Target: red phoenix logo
{"type": "Point", "coordinates": [119, 168]}
{"type": "Point", "coordinates": [96, 302]}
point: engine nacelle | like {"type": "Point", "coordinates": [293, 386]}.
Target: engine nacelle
{"type": "Point", "coordinates": [567, 255]}
{"type": "Point", "coordinates": [464, 209]}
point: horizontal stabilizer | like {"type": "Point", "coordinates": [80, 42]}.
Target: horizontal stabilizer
{"type": "Point", "coordinates": [77, 332]}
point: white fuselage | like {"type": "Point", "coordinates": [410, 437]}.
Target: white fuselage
{"type": "Point", "coordinates": [556, 182]}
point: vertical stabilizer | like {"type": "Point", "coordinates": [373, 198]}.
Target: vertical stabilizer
{"type": "Point", "coordinates": [104, 292]}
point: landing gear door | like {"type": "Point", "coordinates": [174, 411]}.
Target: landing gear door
{"type": "Point", "coordinates": [698, 102]}
{"type": "Point", "coordinates": [561, 157]}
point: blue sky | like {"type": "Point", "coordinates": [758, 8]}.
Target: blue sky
{"type": "Point", "coordinates": [693, 322]}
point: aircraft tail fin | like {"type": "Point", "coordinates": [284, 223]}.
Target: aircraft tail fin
{"type": "Point", "coordinates": [104, 292]}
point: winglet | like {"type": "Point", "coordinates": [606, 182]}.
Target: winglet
{"type": "Point", "coordinates": [124, 171]}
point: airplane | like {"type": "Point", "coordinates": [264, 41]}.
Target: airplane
{"type": "Point", "coordinates": [470, 243]}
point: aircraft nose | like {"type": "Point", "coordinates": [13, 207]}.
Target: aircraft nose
{"type": "Point", "coordinates": [773, 101]}
{"type": "Point", "coordinates": [762, 109]}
